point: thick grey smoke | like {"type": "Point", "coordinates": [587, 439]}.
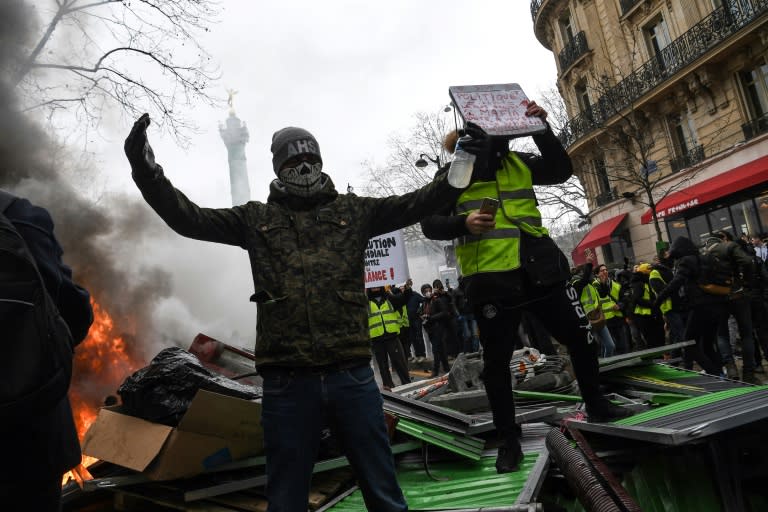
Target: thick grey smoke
{"type": "Point", "coordinates": [98, 237]}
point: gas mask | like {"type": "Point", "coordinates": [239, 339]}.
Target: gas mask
{"type": "Point", "coordinates": [302, 180]}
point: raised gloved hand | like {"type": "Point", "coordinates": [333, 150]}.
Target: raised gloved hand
{"type": "Point", "coordinates": [480, 143]}
{"type": "Point", "coordinates": [138, 150]}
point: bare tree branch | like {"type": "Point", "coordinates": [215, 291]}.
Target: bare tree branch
{"type": "Point", "coordinates": [112, 47]}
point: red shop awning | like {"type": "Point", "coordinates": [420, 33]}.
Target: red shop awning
{"type": "Point", "coordinates": [729, 182]}
{"type": "Point", "coordinates": [597, 236]}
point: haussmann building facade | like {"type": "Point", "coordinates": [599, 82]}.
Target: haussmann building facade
{"type": "Point", "coordinates": [688, 79]}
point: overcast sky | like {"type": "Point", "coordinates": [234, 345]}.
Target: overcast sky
{"type": "Point", "coordinates": [352, 73]}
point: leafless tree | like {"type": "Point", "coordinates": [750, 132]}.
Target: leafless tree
{"type": "Point", "coordinates": [399, 174]}
{"type": "Point", "coordinates": [563, 203]}
{"type": "Point", "coordinates": [138, 55]}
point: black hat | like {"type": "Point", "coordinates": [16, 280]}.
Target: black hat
{"type": "Point", "coordinates": [292, 141]}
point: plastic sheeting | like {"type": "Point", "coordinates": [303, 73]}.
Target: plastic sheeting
{"type": "Point", "coordinates": [162, 391]}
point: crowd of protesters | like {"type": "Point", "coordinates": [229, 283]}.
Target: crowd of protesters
{"type": "Point", "coordinates": [669, 300]}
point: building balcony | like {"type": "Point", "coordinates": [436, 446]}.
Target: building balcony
{"type": "Point", "coordinates": [606, 197]}
{"type": "Point", "coordinates": [688, 159]}
{"type": "Point", "coordinates": [715, 28]}
{"type": "Point", "coordinates": [755, 127]}
{"type": "Point", "coordinates": [575, 48]}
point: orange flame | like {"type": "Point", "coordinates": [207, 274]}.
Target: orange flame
{"type": "Point", "coordinates": [102, 362]}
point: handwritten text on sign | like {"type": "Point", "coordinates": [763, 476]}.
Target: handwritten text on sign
{"type": "Point", "coordinates": [499, 109]}
{"type": "Point", "coordinates": [385, 260]}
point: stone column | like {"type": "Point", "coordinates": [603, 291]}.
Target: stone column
{"type": "Point", "coordinates": [235, 136]}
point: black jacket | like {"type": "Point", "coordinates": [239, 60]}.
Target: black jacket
{"type": "Point", "coordinates": [50, 445]}
{"type": "Point", "coordinates": [542, 261]}
{"type": "Point", "coordinates": [300, 248]}
{"type": "Point", "coordinates": [688, 273]}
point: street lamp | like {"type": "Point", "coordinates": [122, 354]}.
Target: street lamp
{"type": "Point", "coordinates": [422, 163]}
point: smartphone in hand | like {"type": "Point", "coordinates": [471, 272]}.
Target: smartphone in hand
{"type": "Point", "coordinates": [489, 206]}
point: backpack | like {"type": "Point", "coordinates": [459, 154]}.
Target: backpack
{"type": "Point", "coordinates": [37, 346]}
{"type": "Point", "coordinates": [716, 272]}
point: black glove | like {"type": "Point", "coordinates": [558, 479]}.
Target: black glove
{"type": "Point", "coordinates": [138, 150]}
{"type": "Point", "coordinates": [480, 144]}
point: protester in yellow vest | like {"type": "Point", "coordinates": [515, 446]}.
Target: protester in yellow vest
{"type": "Point", "coordinates": [647, 318]}
{"type": "Point", "coordinates": [384, 320]}
{"type": "Point", "coordinates": [609, 292]}
{"type": "Point", "coordinates": [590, 301]}
{"type": "Point", "coordinates": [509, 264]}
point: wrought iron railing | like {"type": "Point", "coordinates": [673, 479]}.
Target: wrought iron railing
{"type": "Point", "coordinates": [575, 48]}
{"type": "Point", "coordinates": [755, 127]}
{"type": "Point", "coordinates": [606, 197]}
{"type": "Point", "coordinates": [688, 159]}
{"type": "Point", "coordinates": [708, 33]}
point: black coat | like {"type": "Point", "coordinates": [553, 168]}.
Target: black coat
{"type": "Point", "coordinates": [49, 446]}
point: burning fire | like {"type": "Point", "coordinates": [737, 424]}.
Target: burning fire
{"type": "Point", "coordinates": [102, 362]}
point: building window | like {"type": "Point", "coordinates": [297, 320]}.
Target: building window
{"type": "Point", "coordinates": [762, 211]}
{"type": "Point", "coordinates": [657, 38]}
{"type": "Point", "coordinates": [684, 134]}
{"type": "Point", "coordinates": [619, 248]}
{"type": "Point", "coordinates": [754, 83]}
{"type": "Point", "coordinates": [603, 182]}
{"type": "Point", "coordinates": [677, 228]}
{"type": "Point", "coordinates": [582, 99]}
{"type": "Point", "coordinates": [745, 219]}
{"type": "Point", "coordinates": [566, 29]}
{"type": "Point", "coordinates": [720, 219]}
{"type": "Point", "coordinates": [698, 228]}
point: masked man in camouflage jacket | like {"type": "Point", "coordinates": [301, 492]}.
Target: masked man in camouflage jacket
{"type": "Point", "coordinates": [313, 351]}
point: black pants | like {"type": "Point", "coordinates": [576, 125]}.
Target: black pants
{"type": "Point", "coordinates": [561, 313]}
{"type": "Point", "coordinates": [417, 337]}
{"type": "Point", "coordinates": [652, 328]}
{"type": "Point", "coordinates": [703, 321]}
{"type": "Point", "coordinates": [385, 349]}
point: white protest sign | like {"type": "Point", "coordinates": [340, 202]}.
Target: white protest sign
{"type": "Point", "coordinates": [385, 260]}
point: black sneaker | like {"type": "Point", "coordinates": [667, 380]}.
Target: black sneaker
{"type": "Point", "coordinates": [509, 458]}
{"type": "Point", "coordinates": [602, 410]}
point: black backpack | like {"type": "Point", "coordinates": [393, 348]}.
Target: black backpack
{"type": "Point", "coordinates": [36, 344]}
{"type": "Point", "coordinates": [717, 269]}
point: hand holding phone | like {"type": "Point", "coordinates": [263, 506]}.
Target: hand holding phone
{"type": "Point", "coordinates": [489, 206]}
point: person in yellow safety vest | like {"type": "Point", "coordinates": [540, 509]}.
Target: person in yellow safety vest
{"type": "Point", "coordinates": [675, 307]}
{"type": "Point", "coordinates": [509, 264]}
{"type": "Point", "coordinates": [384, 320]}
{"type": "Point", "coordinates": [648, 318]}
{"type": "Point", "coordinates": [609, 292]}
{"type": "Point", "coordinates": [590, 301]}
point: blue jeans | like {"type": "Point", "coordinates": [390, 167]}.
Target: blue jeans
{"type": "Point", "coordinates": [295, 408]}
{"type": "Point", "coordinates": [607, 346]}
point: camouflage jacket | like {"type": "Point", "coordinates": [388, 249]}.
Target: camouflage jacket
{"type": "Point", "coordinates": [306, 259]}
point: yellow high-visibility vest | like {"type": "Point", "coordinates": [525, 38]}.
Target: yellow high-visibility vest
{"type": "Point", "coordinates": [499, 249]}
{"type": "Point", "coordinates": [609, 301]}
{"type": "Point", "coordinates": [642, 310]}
{"type": "Point", "coordinates": [665, 306]}
{"type": "Point", "coordinates": [382, 319]}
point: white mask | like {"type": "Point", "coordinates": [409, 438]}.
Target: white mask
{"type": "Point", "coordinates": [302, 180]}
{"type": "Point", "coordinates": [427, 294]}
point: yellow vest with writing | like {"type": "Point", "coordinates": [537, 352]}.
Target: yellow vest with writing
{"type": "Point", "coordinates": [499, 249]}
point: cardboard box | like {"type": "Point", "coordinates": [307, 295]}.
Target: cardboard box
{"type": "Point", "coordinates": [214, 430]}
